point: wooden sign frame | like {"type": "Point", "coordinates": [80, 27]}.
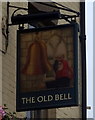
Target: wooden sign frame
{"type": "Point", "coordinates": [47, 67]}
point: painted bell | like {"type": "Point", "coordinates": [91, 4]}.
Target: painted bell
{"type": "Point", "coordinates": [37, 61]}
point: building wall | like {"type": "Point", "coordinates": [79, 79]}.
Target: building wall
{"type": "Point", "coordinates": [93, 43]}
{"type": "Point", "coordinates": [72, 112]}
{"type": "Point", "coordinates": [8, 76]}
{"type": "Point", "coordinates": [0, 54]}
{"type": "Point", "coordinates": [9, 62]}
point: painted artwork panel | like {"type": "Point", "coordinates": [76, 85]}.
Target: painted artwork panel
{"type": "Point", "coordinates": [47, 60]}
{"type": "Point", "coordinates": [47, 64]}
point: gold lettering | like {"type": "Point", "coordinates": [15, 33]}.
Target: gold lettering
{"type": "Point", "coordinates": [45, 99]}
{"type": "Point", "coordinates": [65, 97]}
{"type": "Point", "coordinates": [33, 100]}
{"type": "Point", "coordinates": [69, 96]}
{"type": "Point", "coordinates": [56, 97]}
{"type": "Point", "coordinates": [28, 100]}
{"type": "Point", "coordinates": [40, 99]}
{"type": "Point", "coordinates": [50, 97]}
{"type": "Point", "coordinates": [23, 100]}
{"type": "Point", "coordinates": [61, 97]}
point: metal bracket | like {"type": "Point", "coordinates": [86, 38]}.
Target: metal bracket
{"type": "Point", "coordinates": [68, 18]}
{"type": "Point", "coordinates": [6, 32]}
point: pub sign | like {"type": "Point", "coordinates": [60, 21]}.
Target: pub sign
{"type": "Point", "coordinates": [47, 67]}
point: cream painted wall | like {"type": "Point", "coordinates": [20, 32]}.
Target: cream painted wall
{"type": "Point", "coordinates": [0, 54]}
{"type": "Point", "coordinates": [72, 112]}
{"type": "Point", "coordinates": [8, 76]}
{"type": "Point", "coordinates": [9, 63]}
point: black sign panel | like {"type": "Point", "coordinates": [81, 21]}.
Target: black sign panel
{"type": "Point", "coordinates": [47, 67]}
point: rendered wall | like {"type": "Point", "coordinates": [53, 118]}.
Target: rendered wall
{"type": "Point", "coordinates": [8, 65]}
{"type": "Point", "coordinates": [9, 62]}
{"type": "Point", "coordinates": [72, 112]}
{"type": "Point", "coordinates": [0, 54]}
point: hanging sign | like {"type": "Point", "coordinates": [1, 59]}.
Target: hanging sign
{"type": "Point", "coordinates": [47, 67]}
